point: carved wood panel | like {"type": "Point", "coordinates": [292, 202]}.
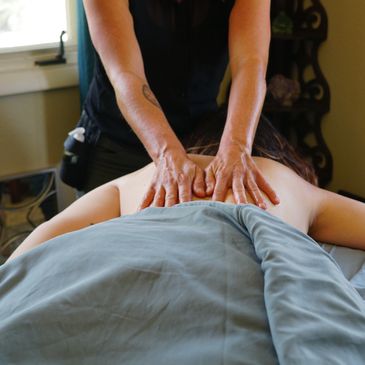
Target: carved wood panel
{"type": "Point", "coordinates": [296, 57]}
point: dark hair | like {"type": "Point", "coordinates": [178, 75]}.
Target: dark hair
{"type": "Point", "coordinates": [268, 142]}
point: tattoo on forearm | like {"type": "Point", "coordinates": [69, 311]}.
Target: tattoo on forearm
{"type": "Point", "coordinates": [148, 94]}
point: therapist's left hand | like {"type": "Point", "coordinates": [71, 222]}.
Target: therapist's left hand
{"type": "Point", "coordinates": [234, 168]}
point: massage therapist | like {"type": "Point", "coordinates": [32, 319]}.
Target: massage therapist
{"type": "Point", "coordinates": [159, 66]}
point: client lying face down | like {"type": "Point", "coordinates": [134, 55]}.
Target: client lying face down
{"type": "Point", "coordinates": [325, 216]}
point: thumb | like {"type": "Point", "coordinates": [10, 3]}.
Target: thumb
{"type": "Point", "coordinates": [199, 183]}
{"type": "Point", "coordinates": [209, 181]}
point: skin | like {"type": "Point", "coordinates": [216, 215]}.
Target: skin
{"type": "Point", "coordinates": [325, 216]}
{"type": "Point", "coordinates": [177, 178]}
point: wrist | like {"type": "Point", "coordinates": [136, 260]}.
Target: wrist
{"type": "Point", "coordinates": [239, 136]}
{"type": "Point", "coordinates": [169, 151]}
{"type": "Point", "coordinates": [235, 144]}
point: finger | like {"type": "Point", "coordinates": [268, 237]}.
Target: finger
{"type": "Point", "coordinates": [267, 189]}
{"type": "Point", "coordinates": [238, 190]}
{"type": "Point", "coordinates": [147, 198]}
{"type": "Point", "coordinates": [255, 193]}
{"type": "Point", "coordinates": [171, 197]}
{"type": "Point", "coordinates": [159, 199]}
{"type": "Point", "coordinates": [199, 183]}
{"type": "Point", "coordinates": [185, 194]}
{"type": "Point", "coordinates": [220, 189]}
{"type": "Point", "coordinates": [209, 181]}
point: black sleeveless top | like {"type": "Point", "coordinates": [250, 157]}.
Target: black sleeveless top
{"type": "Point", "coordinates": [185, 54]}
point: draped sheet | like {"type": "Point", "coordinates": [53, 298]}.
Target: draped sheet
{"type": "Point", "coordinates": [200, 283]}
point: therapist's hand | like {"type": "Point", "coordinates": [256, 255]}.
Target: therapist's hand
{"type": "Point", "coordinates": [234, 168]}
{"type": "Point", "coordinates": [175, 180]}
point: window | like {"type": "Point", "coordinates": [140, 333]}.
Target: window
{"type": "Point", "coordinates": [30, 31]}
{"type": "Point", "coordinates": [31, 23]}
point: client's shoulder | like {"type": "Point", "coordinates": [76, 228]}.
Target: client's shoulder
{"type": "Point", "coordinates": [278, 170]}
{"type": "Point", "coordinates": [267, 165]}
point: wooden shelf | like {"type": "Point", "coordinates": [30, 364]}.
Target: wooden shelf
{"type": "Point", "coordinates": [300, 36]}
{"type": "Point", "coordinates": [292, 55]}
{"type": "Point", "coordinates": [303, 106]}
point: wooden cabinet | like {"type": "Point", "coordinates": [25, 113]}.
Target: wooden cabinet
{"type": "Point", "coordinates": [294, 54]}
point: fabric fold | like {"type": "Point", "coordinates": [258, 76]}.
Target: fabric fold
{"type": "Point", "coordinates": [315, 314]}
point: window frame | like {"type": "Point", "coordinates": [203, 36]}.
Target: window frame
{"type": "Point", "coordinates": [19, 74]}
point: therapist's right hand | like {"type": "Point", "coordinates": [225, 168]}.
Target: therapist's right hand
{"type": "Point", "coordinates": [175, 181]}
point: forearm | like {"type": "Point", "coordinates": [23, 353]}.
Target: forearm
{"type": "Point", "coordinates": [41, 234]}
{"type": "Point", "coordinates": [249, 41]}
{"type": "Point", "coordinates": [339, 220]}
{"type": "Point", "coordinates": [112, 32]}
{"type": "Point", "coordinates": [99, 205]}
{"type": "Point", "coordinates": [245, 103]}
{"type": "Point", "coordinates": [144, 114]}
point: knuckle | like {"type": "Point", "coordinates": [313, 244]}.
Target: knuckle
{"type": "Point", "coordinates": [170, 197]}
{"type": "Point", "coordinates": [252, 184]}
{"type": "Point", "coordinates": [224, 175]}
{"type": "Point", "coordinates": [254, 189]}
{"type": "Point", "coordinates": [239, 191]}
{"type": "Point", "coordinates": [159, 197]}
{"type": "Point", "coordinates": [184, 195]}
{"type": "Point", "coordinates": [159, 190]}
{"type": "Point", "coordinates": [222, 184]}
{"type": "Point", "coordinates": [182, 179]}
{"type": "Point", "coordinates": [169, 182]}
{"type": "Point", "coordinates": [238, 177]}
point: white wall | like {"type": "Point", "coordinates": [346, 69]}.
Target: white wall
{"type": "Point", "coordinates": [33, 127]}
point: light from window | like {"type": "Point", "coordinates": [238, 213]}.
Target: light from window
{"type": "Point", "coordinates": [31, 22]}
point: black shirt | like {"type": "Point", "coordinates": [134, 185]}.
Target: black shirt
{"type": "Point", "coordinates": [185, 54]}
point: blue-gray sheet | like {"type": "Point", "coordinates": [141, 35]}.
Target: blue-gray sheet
{"type": "Point", "coordinates": [201, 283]}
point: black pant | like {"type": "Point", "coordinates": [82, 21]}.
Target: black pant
{"type": "Point", "coordinates": [108, 160]}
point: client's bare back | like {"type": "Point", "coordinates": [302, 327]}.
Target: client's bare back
{"type": "Point", "coordinates": [294, 208]}
{"type": "Point", "coordinates": [325, 216]}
